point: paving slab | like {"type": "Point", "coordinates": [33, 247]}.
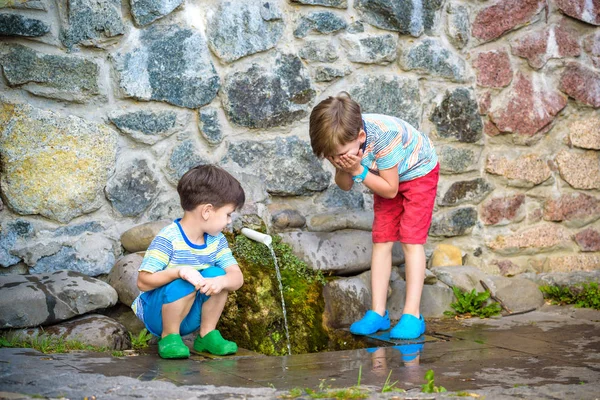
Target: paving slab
{"type": "Point", "coordinates": [552, 353]}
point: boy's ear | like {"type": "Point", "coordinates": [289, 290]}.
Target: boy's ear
{"type": "Point", "coordinates": [362, 136]}
{"type": "Point", "coordinates": [206, 210]}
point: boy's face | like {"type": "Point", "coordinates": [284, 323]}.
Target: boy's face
{"type": "Point", "coordinates": [350, 148]}
{"type": "Point", "coordinates": [219, 218]}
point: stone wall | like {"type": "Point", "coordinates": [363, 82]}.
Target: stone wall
{"type": "Point", "coordinates": [105, 104]}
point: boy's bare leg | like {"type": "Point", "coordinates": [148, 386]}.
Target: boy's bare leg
{"type": "Point", "coordinates": [381, 269]}
{"type": "Point", "coordinates": [211, 312]}
{"type": "Point", "coordinates": [174, 313]}
{"type": "Point", "coordinates": [414, 255]}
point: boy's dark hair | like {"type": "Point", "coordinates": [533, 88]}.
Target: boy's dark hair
{"type": "Point", "coordinates": [335, 121]}
{"type": "Point", "coordinates": [209, 184]}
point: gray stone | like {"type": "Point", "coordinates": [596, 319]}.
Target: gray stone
{"type": "Point", "coordinates": [457, 160]}
{"type": "Point", "coordinates": [334, 197]}
{"type": "Point", "coordinates": [57, 77]}
{"type": "Point", "coordinates": [280, 93]}
{"type": "Point", "coordinates": [183, 157]}
{"type": "Point", "coordinates": [380, 49]}
{"type": "Point", "coordinates": [133, 187]}
{"type": "Point", "coordinates": [18, 25]}
{"type": "Point", "coordinates": [238, 29]}
{"type": "Point", "coordinates": [458, 116]}
{"type": "Point", "coordinates": [145, 126]}
{"type": "Point", "coordinates": [92, 330]}
{"type": "Point", "coordinates": [10, 232]}
{"type": "Point", "coordinates": [324, 3]}
{"type": "Point", "coordinates": [288, 219]}
{"type": "Point", "coordinates": [335, 221]}
{"type": "Point", "coordinates": [346, 300]}
{"type": "Point", "coordinates": [342, 252]}
{"type": "Point", "coordinates": [288, 165]}
{"type": "Point", "coordinates": [318, 50]}
{"type": "Point", "coordinates": [456, 222]}
{"type": "Point", "coordinates": [210, 126]}
{"type": "Point", "coordinates": [517, 294]}
{"type": "Point", "coordinates": [435, 299]}
{"type": "Point", "coordinates": [44, 299]}
{"type": "Point", "coordinates": [91, 22]}
{"type": "Point", "coordinates": [405, 16]}
{"type": "Point", "coordinates": [431, 57]}
{"type": "Point", "coordinates": [168, 207]}
{"type": "Point", "coordinates": [390, 95]}
{"type": "Point", "coordinates": [472, 191]}
{"type": "Point", "coordinates": [324, 22]}
{"type": "Point", "coordinates": [145, 12]}
{"type": "Point", "coordinates": [327, 74]}
{"type": "Point", "coordinates": [43, 174]}
{"type": "Point", "coordinates": [466, 278]}
{"type": "Point", "coordinates": [24, 4]}
{"type": "Point", "coordinates": [139, 237]}
{"type": "Point", "coordinates": [569, 279]}
{"type": "Point", "coordinates": [123, 277]}
{"type": "Point", "coordinates": [355, 27]}
{"type": "Point", "coordinates": [85, 248]}
{"type": "Point", "coordinates": [458, 26]}
{"type": "Point", "coordinates": [156, 65]}
{"type": "Point", "coordinates": [255, 187]}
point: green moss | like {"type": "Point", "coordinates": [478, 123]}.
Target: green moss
{"type": "Point", "coordinates": [253, 315]}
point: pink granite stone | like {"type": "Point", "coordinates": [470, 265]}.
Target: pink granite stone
{"type": "Point", "coordinates": [527, 170]}
{"type": "Point", "coordinates": [505, 15]}
{"type": "Point", "coordinates": [574, 262]}
{"type": "Point", "coordinates": [582, 84]}
{"type": "Point", "coordinates": [493, 68]}
{"type": "Point", "coordinates": [556, 41]}
{"type": "Point", "coordinates": [575, 209]}
{"type": "Point", "coordinates": [530, 108]}
{"type": "Point", "coordinates": [583, 10]}
{"type": "Point", "coordinates": [503, 210]}
{"type": "Point", "coordinates": [490, 129]}
{"type": "Point", "coordinates": [591, 45]}
{"type": "Point", "coordinates": [588, 240]}
{"type": "Point", "coordinates": [531, 240]}
{"type": "Point", "coordinates": [485, 102]}
{"type": "Point", "coordinates": [579, 169]}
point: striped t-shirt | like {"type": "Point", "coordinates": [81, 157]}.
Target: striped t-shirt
{"type": "Point", "coordinates": [392, 141]}
{"type": "Point", "coordinates": [171, 248]}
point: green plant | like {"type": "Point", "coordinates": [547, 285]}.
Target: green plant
{"type": "Point", "coordinates": [118, 353]}
{"type": "Point", "coordinates": [140, 341]}
{"type": "Point", "coordinates": [390, 387]}
{"type": "Point", "coordinates": [473, 303]}
{"type": "Point", "coordinates": [324, 391]}
{"type": "Point", "coordinates": [430, 387]}
{"type": "Point", "coordinates": [48, 344]}
{"type": "Point", "coordinates": [585, 295]}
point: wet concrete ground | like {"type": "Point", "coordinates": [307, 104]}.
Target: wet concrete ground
{"type": "Point", "coordinates": [551, 353]}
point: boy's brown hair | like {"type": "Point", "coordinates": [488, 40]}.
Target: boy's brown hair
{"type": "Point", "coordinates": [335, 121]}
{"type": "Point", "coordinates": [209, 184]}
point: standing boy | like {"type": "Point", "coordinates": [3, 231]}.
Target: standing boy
{"type": "Point", "coordinates": [399, 165]}
{"type": "Point", "coordinates": [188, 269]}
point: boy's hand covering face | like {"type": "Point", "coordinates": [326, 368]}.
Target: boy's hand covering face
{"type": "Point", "coordinates": [348, 162]}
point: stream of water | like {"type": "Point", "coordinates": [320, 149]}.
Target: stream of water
{"type": "Point", "coordinates": [287, 331]}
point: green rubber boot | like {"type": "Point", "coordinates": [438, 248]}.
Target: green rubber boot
{"type": "Point", "coordinates": [214, 343]}
{"type": "Point", "coordinates": [171, 346]}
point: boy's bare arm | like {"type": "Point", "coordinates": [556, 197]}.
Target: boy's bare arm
{"type": "Point", "coordinates": [386, 184]}
{"type": "Point", "coordinates": [151, 280]}
{"type": "Point", "coordinates": [343, 179]}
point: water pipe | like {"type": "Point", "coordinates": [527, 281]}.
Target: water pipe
{"type": "Point", "coordinates": [257, 236]}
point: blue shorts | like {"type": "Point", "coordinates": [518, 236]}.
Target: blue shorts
{"type": "Point", "coordinates": [153, 300]}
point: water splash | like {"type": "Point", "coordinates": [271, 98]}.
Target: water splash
{"type": "Point", "coordinates": [287, 331]}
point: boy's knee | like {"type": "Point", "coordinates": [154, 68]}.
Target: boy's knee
{"type": "Point", "coordinates": [178, 289]}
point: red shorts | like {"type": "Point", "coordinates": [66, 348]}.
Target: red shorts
{"type": "Point", "coordinates": [406, 218]}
